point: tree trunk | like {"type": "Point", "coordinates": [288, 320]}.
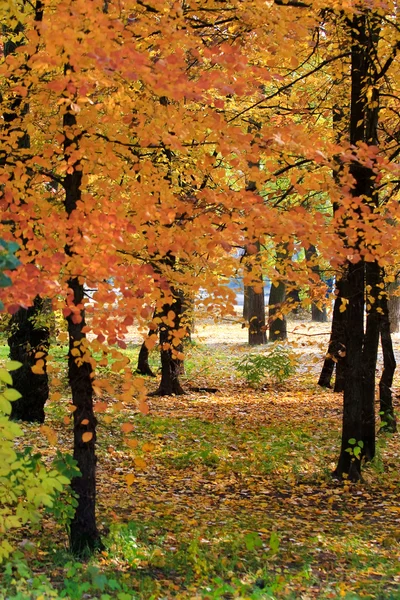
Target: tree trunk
{"type": "Point", "coordinates": [84, 535]}
{"type": "Point", "coordinates": [317, 314]}
{"type": "Point", "coordinates": [143, 367]}
{"type": "Point", "coordinates": [277, 324]}
{"type": "Point", "coordinates": [171, 366]}
{"type": "Point", "coordinates": [350, 464]}
{"type": "Point", "coordinates": [358, 431]}
{"type": "Point", "coordinates": [394, 307]}
{"type": "Point", "coordinates": [256, 311]}
{"type": "Point", "coordinates": [29, 343]}
{"type": "Point", "coordinates": [336, 349]}
{"type": "Point", "coordinates": [388, 419]}
{"type": "Point", "coordinates": [26, 338]}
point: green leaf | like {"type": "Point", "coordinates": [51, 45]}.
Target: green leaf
{"type": "Point", "coordinates": [11, 394]}
{"type": "Point", "coordinates": [352, 441]}
{"type": "Point", "coordinates": [361, 444]}
{"type": "Point", "coordinates": [12, 365]}
{"type": "Point", "coordinates": [5, 376]}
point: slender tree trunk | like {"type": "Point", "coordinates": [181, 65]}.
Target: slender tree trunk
{"type": "Point", "coordinates": [394, 307]}
{"type": "Point", "coordinates": [277, 321]}
{"type": "Point", "coordinates": [388, 419]}
{"type": "Point", "coordinates": [29, 344]}
{"type": "Point", "coordinates": [317, 314]}
{"type": "Point", "coordinates": [84, 535]}
{"type": "Point", "coordinates": [335, 357]}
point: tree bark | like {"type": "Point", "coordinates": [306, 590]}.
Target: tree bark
{"type": "Point", "coordinates": [394, 307]}
{"type": "Point", "coordinates": [143, 367]}
{"type": "Point", "coordinates": [336, 349]}
{"type": "Point", "coordinates": [256, 312]}
{"type": "Point", "coordinates": [29, 342]}
{"type": "Point", "coordinates": [277, 324]}
{"type": "Point", "coordinates": [388, 418]}
{"type": "Point", "coordinates": [317, 314]}
{"type": "Point", "coordinates": [84, 535]}
{"type": "Point", "coordinates": [171, 366]}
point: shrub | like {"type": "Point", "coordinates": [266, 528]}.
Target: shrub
{"type": "Point", "coordinates": [278, 364]}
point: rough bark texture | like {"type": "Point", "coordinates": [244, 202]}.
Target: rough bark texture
{"type": "Point", "coordinates": [27, 340]}
{"type": "Point", "coordinates": [317, 314]}
{"type": "Point", "coordinates": [277, 324]}
{"type": "Point", "coordinates": [84, 535]}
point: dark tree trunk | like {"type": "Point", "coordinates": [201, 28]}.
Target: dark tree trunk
{"type": "Point", "coordinates": [84, 535]}
{"type": "Point", "coordinates": [361, 348]}
{"type": "Point", "coordinates": [294, 299]}
{"type": "Point", "coordinates": [143, 367]}
{"type": "Point", "coordinates": [257, 328]}
{"type": "Point", "coordinates": [171, 365]}
{"type": "Point", "coordinates": [29, 343]}
{"type": "Point", "coordinates": [276, 320]}
{"type": "Point", "coordinates": [335, 357]}
{"type": "Point", "coordinates": [349, 464]}
{"type": "Point", "coordinates": [26, 338]}
{"type": "Point", "coordinates": [388, 419]}
{"type": "Point", "coordinates": [319, 315]}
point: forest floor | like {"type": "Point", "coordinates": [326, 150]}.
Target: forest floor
{"type": "Point", "coordinates": [224, 495]}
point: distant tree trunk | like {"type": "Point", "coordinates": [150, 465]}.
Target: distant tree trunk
{"type": "Point", "coordinates": [277, 324]}
{"type": "Point", "coordinates": [335, 357]}
{"type": "Point", "coordinates": [143, 367]}
{"type": "Point", "coordinates": [317, 314]}
{"type": "Point", "coordinates": [29, 343]}
{"type": "Point", "coordinates": [84, 535]}
{"type": "Point", "coordinates": [293, 296]}
{"type": "Point", "coordinates": [387, 414]}
{"type": "Point", "coordinates": [394, 307]}
{"type": "Point", "coordinates": [257, 329]}
{"type": "Point", "coordinates": [171, 366]}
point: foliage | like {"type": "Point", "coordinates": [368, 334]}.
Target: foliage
{"type": "Point", "coordinates": [8, 262]}
{"type": "Point", "coordinates": [278, 364]}
{"type": "Point", "coordinates": [26, 484]}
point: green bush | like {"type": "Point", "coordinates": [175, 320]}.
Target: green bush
{"type": "Point", "coordinates": [278, 364]}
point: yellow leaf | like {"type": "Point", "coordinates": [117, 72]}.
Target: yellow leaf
{"type": "Point", "coordinates": [87, 436]}
{"type": "Point", "coordinates": [140, 463]}
{"type": "Point", "coordinates": [108, 419]}
{"type": "Point", "coordinates": [50, 434]}
{"type": "Point", "coordinates": [148, 447]}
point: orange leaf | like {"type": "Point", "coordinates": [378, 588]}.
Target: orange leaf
{"type": "Point", "coordinates": [144, 407]}
{"type": "Point", "coordinates": [55, 396]}
{"type": "Point", "coordinates": [127, 427]}
{"type": "Point", "coordinates": [85, 422]}
{"type": "Point", "coordinates": [50, 434]}
{"type": "Point", "coordinates": [131, 443]}
{"type": "Point", "coordinates": [100, 407]}
{"type": "Point", "coordinates": [66, 420]}
{"type": "Point", "coordinates": [87, 436]}
{"type": "Point", "coordinates": [108, 419]}
{"type": "Point", "coordinates": [130, 478]}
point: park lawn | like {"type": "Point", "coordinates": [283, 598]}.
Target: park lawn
{"type": "Point", "coordinates": [221, 495]}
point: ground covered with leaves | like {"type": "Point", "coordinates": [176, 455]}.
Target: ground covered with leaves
{"type": "Point", "coordinates": [223, 495]}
